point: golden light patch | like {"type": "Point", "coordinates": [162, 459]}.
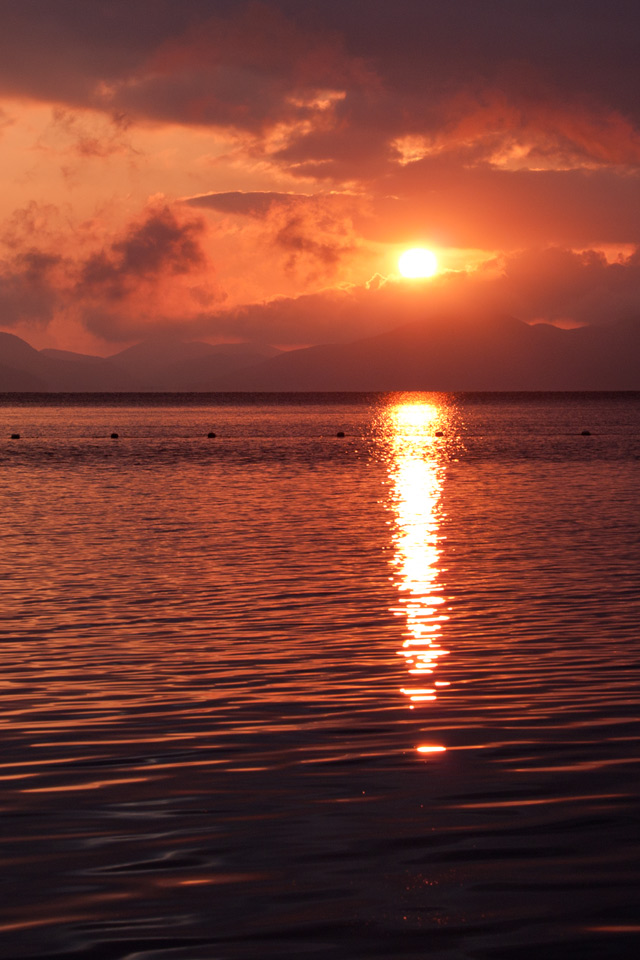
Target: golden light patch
{"type": "Point", "coordinates": [417, 263]}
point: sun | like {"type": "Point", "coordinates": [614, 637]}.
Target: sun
{"type": "Point", "coordinates": [417, 262]}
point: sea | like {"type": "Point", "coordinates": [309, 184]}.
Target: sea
{"type": "Point", "coordinates": [325, 676]}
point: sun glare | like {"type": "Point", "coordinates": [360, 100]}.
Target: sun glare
{"type": "Point", "coordinates": [417, 262]}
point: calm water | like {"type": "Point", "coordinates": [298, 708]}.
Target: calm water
{"type": "Point", "coordinates": [279, 694]}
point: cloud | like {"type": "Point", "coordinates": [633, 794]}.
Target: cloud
{"type": "Point", "coordinates": [393, 99]}
{"type": "Point", "coordinates": [72, 50]}
{"type": "Point", "coordinates": [155, 274]}
{"type": "Point", "coordinates": [315, 236]}
{"type": "Point", "coordinates": [86, 135]}
{"type": "Point", "coordinates": [67, 52]}
{"type": "Point", "coordinates": [441, 200]}
{"type": "Point", "coordinates": [545, 285]}
{"type": "Point", "coordinates": [294, 238]}
{"type": "Point", "coordinates": [5, 120]}
{"type": "Point", "coordinates": [156, 247]}
{"type": "Point", "coordinates": [506, 128]}
{"type": "Point", "coordinates": [347, 80]}
{"type": "Point", "coordinates": [256, 203]}
{"type": "Point", "coordinates": [452, 204]}
{"type": "Point", "coordinates": [554, 284]}
{"type": "Point", "coordinates": [314, 233]}
{"type": "Point", "coordinates": [29, 288]}
{"type": "Point", "coordinates": [250, 69]}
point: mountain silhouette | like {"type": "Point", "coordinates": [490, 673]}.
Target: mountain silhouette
{"type": "Point", "coordinates": [443, 353]}
{"type": "Point", "coordinates": [453, 353]}
{"type": "Point", "coordinates": [169, 364]}
{"type": "Point", "coordinates": [158, 364]}
{"type": "Point", "coordinates": [24, 369]}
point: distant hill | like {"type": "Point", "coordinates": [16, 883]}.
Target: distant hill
{"type": "Point", "coordinates": [13, 380]}
{"type": "Point", "coordinates": [69, 355]}
{"type": "Point", "coordinates": [159, 364]}
{"type": "Point", "coordinates": [451, 353]}
{"type": "Point", "coordinates": [445, 352]}
{"type": "Point", "coordinates": [24, 369]}
{"type": "Point", "coordinates": [167, 364]}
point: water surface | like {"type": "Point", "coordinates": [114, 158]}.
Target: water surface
{"type": "Point", "coordinates": [279, 693]}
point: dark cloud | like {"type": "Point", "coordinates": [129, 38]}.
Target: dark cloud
{"type": "Point", "coordinates": [550, 49]}
{"type": "Point", "coordinates": [66, 51]}
{"type": "Point", "coordinates": [255, 203]}
{"type": "Point", "coordinates": [474, 125]}
{"type": "Point", "coordinates": [315, 232]}
{"type": "Point", "coordinates": [296, 240]}
{"type": "Point", "coordinates": [118, 327]}
{"type": "Point", "coordinates": [329, 316]}
{"type": "Point", "coordinates": [29, 288]}
{"type": "Point", "coordinates": [154, 275]}
{"type": "Point", "coordinates": [406, 68]}
{"type": "Point", "coordinates": [555, 284]}
{"type": "Point", "coordinates": [159, 245]}
{"type": "Point", "coordinates": [250, 71]}
{"type": "Point", "coordinates": [70, 46]}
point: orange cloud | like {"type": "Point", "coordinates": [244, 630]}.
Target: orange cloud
{"type": "Point", "coordinates": [536, 285]}
{"type": "Point", "coordinates": [155, 275]}
{"type": "Point", "coordinates": [453, 124]}
{"type": "Point", "coordinates": [311, 237]}
{"type": "Point", "coordinates": [483, 207]}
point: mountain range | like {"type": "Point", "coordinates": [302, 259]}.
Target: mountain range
{"type": "Point", "coordinates": [160, 364]}
{"type": "Point", "coordinates": [443, 353]}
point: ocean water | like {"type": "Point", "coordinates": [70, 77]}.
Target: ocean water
{"type": "Point", "coordinates": [279, 693]}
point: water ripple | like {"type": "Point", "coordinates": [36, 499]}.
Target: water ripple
{"type": "Point", "coordinates": [229, 724]}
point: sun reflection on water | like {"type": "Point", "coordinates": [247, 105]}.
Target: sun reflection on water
{"type": "Point", "coordinates": [418, 437]}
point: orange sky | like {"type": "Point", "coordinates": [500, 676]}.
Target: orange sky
{"type": "Point", "coordinates": [252, 170]}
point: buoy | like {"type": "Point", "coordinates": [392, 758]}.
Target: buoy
{"type": "Point", "coordinates": [340, 433]}
{"type": "Point", "coordinates": [586, 433]}
{"type": "Point", "coordinates": [211, 435]}
{"type": "Point", "coordinates": [114, 436]}
{"type": "Point", "coordinates": [15, 436]}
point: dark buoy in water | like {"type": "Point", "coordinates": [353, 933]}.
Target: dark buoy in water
{"type": "Point", "coordinates": [15, 436]}
{"type": "Point", "coordinates": [340, 433]}
{"type": "Point", "coordinates": [211, 434]}
{"type": "Point", "coordinates": [439, 433]}
{"type": "Point", "coordinates": [114, 436]}
{"type": "Point", "coordinates": [586, 433]}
